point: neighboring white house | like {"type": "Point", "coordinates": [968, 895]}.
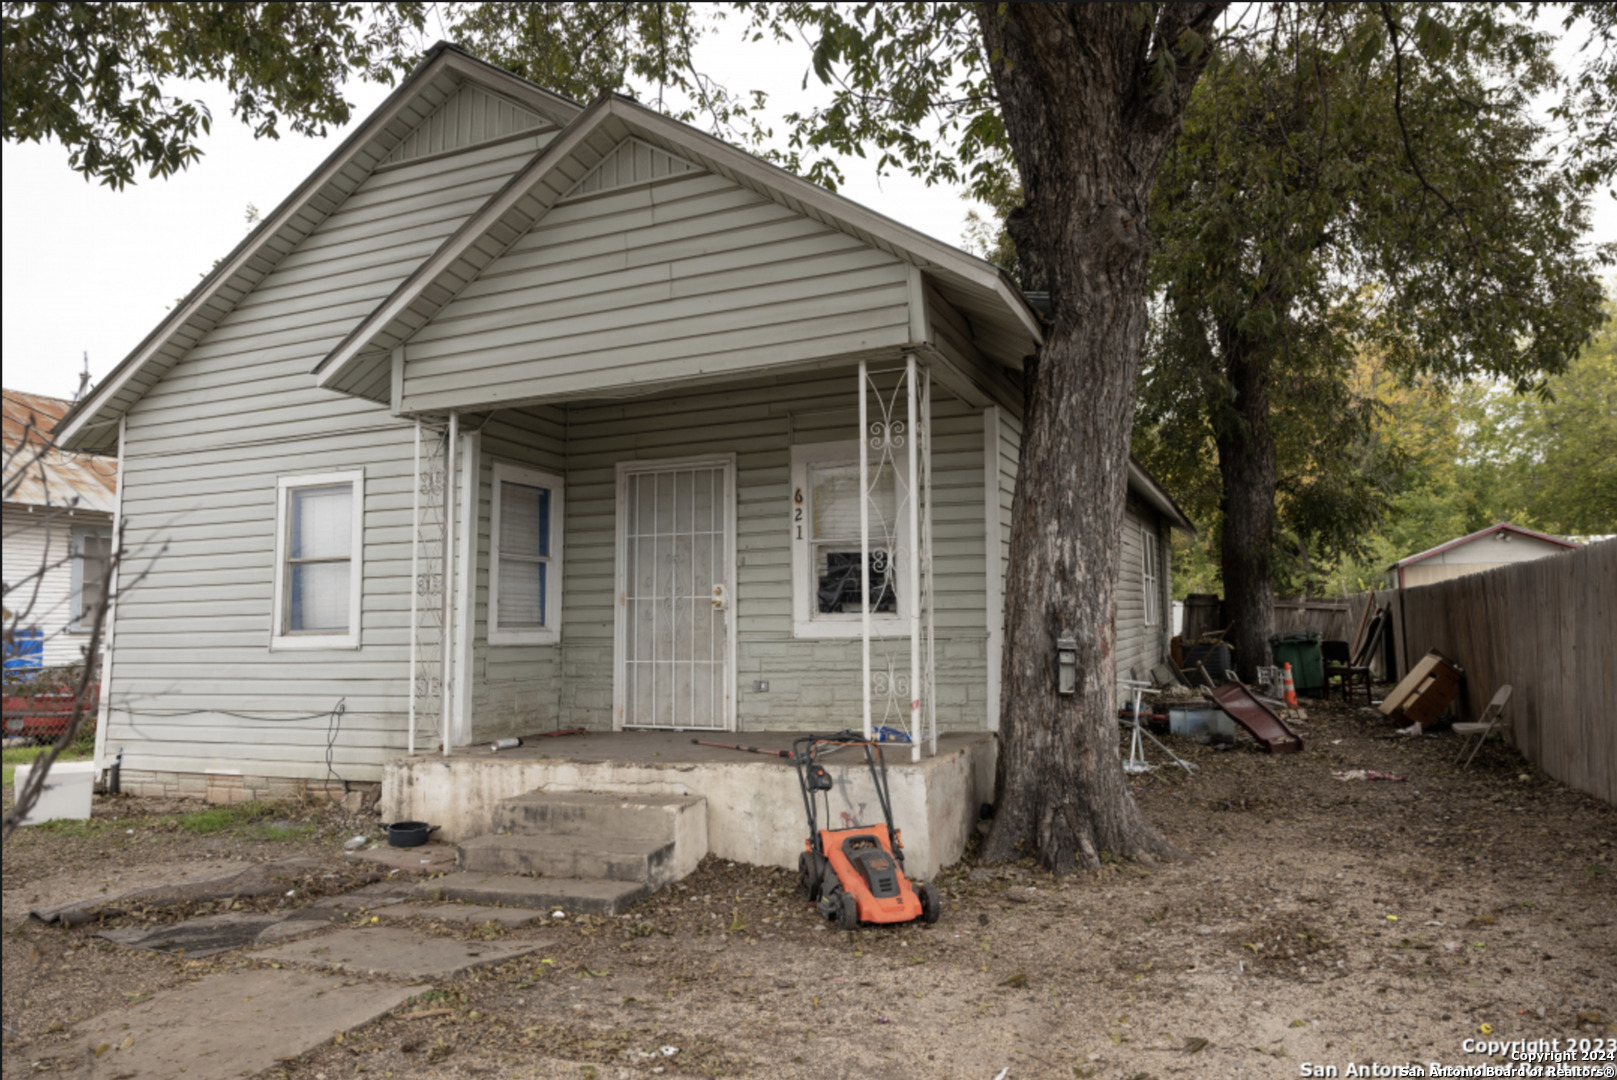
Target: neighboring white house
{"type": "Point", "coordinates": [57, 524]}
{"type": "Point", "coordinates": [613, 366]}
{"type": "Point", "coordinates": [1490, 548]}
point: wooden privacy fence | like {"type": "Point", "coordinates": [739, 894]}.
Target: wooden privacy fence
{"type": "Point", "coordinates": [1332, 618]}
{"type": "Point", "coordinates": [1546, 627]}
{"type": "Point", "coordinates": [1549, 629]}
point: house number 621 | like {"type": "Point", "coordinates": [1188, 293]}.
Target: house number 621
{"type": "Point", "coordinates": [797, 511]}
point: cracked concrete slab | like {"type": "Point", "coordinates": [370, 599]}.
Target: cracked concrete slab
{"type": "Point", "coordinates": [475, 914]}
{"type": "Point", "coordinates": [388, 950]}
{"type": "Point", "coordinates": [212, 934]}
{"type": "Point", "coordinates": [228, 1026]}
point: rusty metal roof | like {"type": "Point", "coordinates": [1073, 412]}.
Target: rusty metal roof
{"type": "Point", "coordinates": [38, 474]}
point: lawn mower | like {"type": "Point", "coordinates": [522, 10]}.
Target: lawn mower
{"type": "Point", "coordinates": [855, 875]}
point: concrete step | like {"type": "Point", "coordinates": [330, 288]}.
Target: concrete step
{"type": "Point", "coordinates": [612, 858]}
{"type": "Point", "coordinates": [603, 814]}
{"type": "Point", "coordinates": [572, 895]}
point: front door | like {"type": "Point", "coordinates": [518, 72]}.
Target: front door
{"type": "Point", "coordinates": [676, 559]}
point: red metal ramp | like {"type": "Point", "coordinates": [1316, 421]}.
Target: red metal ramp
{"type": "Point", "coordinates": [1258, 718]}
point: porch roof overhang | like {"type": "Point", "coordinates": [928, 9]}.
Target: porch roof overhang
{"type": "Point", "coordinates": [1006, 327]}
{"type": "Point", "coordinates": [92, 424]}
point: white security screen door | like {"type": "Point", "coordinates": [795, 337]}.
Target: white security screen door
{"type": "Point", "coordinates": [676, 549]}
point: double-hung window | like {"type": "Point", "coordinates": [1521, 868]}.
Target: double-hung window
{"type": "Point", "coordinates": [1150, 559]}
{"type": "Point", "coordinates": [92, 548]}
{"type": "Point", "coordinates": [318, 561]}
{"type": "Point", "coordinates": [525, 557]}
{"type": "Point", "coordinates": [827, 584]}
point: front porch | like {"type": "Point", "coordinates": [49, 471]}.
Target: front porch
{"type": "Point", "coordinates": [754, 808]}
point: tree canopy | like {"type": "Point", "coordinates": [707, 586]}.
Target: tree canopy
{"type": "Point", "coordinates": [1275, 230]}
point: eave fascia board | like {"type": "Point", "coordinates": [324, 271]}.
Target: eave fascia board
{"type": "Point", "coordinates": [1146, 485]}
{"type": "Point", "coordinates": [336, 364]}
{"type": "Point", "coordinates": [514, 87]}
{"type": "Point", "coordinates": [76, 422]}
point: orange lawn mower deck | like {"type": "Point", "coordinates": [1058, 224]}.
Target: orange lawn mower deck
{"type": "Point", "coordinates": [856, 875]}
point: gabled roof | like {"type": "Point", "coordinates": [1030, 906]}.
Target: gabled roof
{"type": "Point", "coordinates": [39, 474]}
{"type": "Point", "coordinates": [1144, 485]}
{"type": "Point", "coordinates": [1503, 526]}
{"type": "Point", "coordinates": [1009, 328]}
{"type": "Point", "coordinates": [92, 423]}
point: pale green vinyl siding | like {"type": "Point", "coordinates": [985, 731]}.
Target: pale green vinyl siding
{"type": "Point", "coordinates": [635, 287]}
{"type": "Point", "coordinates": [814, 684]}
{"type": "Point", "coordinates": [516, 689]}
{"type": "Point", "coordinates": [204, 448]}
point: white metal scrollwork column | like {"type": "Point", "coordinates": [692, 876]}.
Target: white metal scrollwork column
{"type": "Point", "coordinates": [908, 699]}
{"type": "Point", "coordinates": [429, 524]}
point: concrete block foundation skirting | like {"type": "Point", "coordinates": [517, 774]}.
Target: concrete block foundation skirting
{"type": "Point", "coordinates": [754, 808]}
{"type": "Point", "coordinates": [229, 788]}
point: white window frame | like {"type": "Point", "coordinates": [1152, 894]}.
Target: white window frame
{"type": "Point", "coordinates": [550, 633]}
{"type": "Point", "coordinates": [76, 623]}
{"type": "Point", "coordinates": [282, 639]}
{"type": "Point", "coordinates": [806, 621]}
{"type": "Point", "coordinates": [1151, 574]}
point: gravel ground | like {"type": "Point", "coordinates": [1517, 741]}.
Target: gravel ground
{"type": "Point", "coordinates": [1311, 921]}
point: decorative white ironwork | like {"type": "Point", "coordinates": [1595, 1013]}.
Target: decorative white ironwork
{"type": "Point", "coordinates": [427, 570]}
{"type": "Point", "coordinates": [899, 422]}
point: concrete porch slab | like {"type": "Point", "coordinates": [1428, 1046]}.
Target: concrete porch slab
{"type": "Point", "coordinates": [754, 808]}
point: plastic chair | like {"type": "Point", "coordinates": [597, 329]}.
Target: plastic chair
{"type": "Point", "coordinates": [1488, 721]}
{"type": "Point", "coordinates": [1338, 657]}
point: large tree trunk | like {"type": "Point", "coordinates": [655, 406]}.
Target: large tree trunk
{"type": "Point", "coordinates": [1246, 467]}
{"type": "Point", "coordinates": [1089, 112]}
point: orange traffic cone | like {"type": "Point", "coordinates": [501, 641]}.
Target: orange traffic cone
{"type": "Point", "coordinates": [1291, 688]}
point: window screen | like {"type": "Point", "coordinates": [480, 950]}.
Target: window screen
{"type": "Point", "coordinates": [92, 549]}
{"type": "Point", "coordinates": [524, 555]}
{"type": "Point", "coordinates": [834, 538]}
{"type": "Point", "coordinates": [1149, 557]}
{"type": "Point", "coordinates": [320, 556]}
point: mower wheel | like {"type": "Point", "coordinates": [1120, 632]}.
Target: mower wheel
{"type": "Point", "coordinates": [847, 912]}
{"type": "Point", "coordinates": [931, 904]}
{"type": "Point", "coordinates": [810, 873]}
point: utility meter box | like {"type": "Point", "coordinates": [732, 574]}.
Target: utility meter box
{"type": "Point", "coordinates": [67, 791]}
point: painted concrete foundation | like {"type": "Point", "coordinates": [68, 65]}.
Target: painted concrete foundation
{"type": "Point", "coordinates": [754, 808]}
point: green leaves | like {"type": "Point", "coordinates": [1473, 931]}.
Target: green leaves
{"type": "Point", "coordinates": [90, 76]}
{"type": "Point", "coordinates": [1297, 231]}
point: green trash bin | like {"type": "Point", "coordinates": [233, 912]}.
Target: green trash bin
{"type": "Point", "coordinates": [1302, 652]}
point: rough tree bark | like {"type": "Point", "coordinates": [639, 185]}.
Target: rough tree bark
{"type": "Point", "coordinates": [1246, 468]}
{"type": "Point", "coordinates": [1092, 95]}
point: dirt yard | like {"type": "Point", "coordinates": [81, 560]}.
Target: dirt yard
{"type": "Point", "coordinates": [1313, 921]}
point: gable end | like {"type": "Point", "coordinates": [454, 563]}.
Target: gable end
{"type": "Point", "coordinates": [468, 117]}
{"type": "Point", "coordinates": [633, 162]}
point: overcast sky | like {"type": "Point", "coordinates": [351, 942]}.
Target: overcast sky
{"type": "Point", "coordinates": [91, 270]}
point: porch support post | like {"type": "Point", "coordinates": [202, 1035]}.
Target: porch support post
{"type": "Point", "coordinates": [913, 563]}
{"type": "Point", "coordinates": [864, 537]}
{"type": "Point", "coordinates": [931, 585]}
{"type": "Point", "coordinates": [446, 633]}
{"type": "Point", "coordinates": [415, 579]}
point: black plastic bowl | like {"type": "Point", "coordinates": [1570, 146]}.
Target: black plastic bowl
{"type": "Point", "coordinates": [409, 833]}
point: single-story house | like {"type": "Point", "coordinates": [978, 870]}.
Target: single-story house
{"type": "Point", "coordinates": [57, 524]}
{"type": "Point", "coordinates": [623, 374]}
{"type": "Point", "coordinates": [1487, 549]}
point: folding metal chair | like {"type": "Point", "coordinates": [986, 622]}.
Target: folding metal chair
{"type": "Point", "coordinates": [1488, 721]}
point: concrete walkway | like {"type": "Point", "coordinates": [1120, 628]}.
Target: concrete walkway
{"type": "Point", "coordinates": [231, 1025]}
